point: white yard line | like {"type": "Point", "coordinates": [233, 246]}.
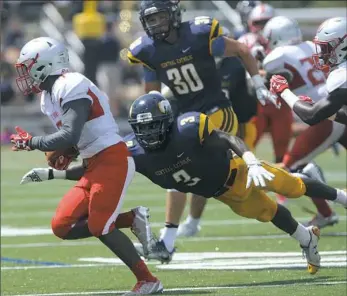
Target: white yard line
{"type": "Point", "coordinates": [187, 289]}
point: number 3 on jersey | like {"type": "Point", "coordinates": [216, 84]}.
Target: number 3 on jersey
{"type": "Point", "coordinates": [185, 79]}
{"type": "Point", "coordinates": [182, 176]}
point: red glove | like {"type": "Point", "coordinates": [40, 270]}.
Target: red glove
{"type": "Point", "coordinates": [20, 140]}
{"type": "Point", "coordinates": [306, 99]}
{"type": "Point", "coordinates": [278, 84]}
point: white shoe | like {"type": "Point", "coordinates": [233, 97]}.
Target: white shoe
{"type": "Point", "coordinates": [314, 171]}
{"type": "Point", "coordinates": [187, 230]}
{"type": "Point", "coordinates": [141, 228]}
{"type": "Point", "coordinates": [146, 288]}
{"type": "Point", "coordinates": [311, 252]}
{"type": "Point", "coordinates": [321, 221]}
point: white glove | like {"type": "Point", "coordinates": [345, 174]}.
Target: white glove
{"type": "Point", "coordinates": [36, 175]}
{"type": "Point", "coordinates": [263, 94]}
{"type": "Point", "coordinates": [256, 173]}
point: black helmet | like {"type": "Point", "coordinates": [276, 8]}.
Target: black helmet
{"type": "Point", "coordinates": [160, 28]}
{"type": "Point", "coordinates": [151, 117]}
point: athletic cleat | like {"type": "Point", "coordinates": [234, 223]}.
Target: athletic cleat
{"type": "Point", "coordinates": [187, 230]}
{"type": "Point", "coordinates": [141, 228]}
{"type": "Point", "coordinates": [157, 251]}
{"type": "Point", "coordinates": [146, 288]}
{"type": "Point", "coordinates": [321, 221]}
{"type": "Point", "coordinates": [314, 171]}
{"type": "Point", "coordinates": [311, 252]}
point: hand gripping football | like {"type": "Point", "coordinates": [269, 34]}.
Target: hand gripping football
{"type": "Point", "coordinates": [61, 159]}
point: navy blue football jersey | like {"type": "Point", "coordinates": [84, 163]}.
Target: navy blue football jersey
{"type": "Point", "coordinates": [187, 67]}
{"type": "Point", "coordinates": [185, 164]}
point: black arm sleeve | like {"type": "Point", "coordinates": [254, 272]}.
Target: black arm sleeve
{"type": "Point", "coordinates": [230, 143]}
{"type": "Point", "coordinates": [341, 115]}
{"type": "Point", "coordinates": [323, 109]}
{"type": "Point", "coordinates": [75, 173]}
{"type": "Point", "coordinates": [74, 117]}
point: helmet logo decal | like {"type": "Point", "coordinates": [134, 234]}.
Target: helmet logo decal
{"type": "Point", "coordinates": [164, 106]}
{"type": "Point", "coordinates": [144, 117]}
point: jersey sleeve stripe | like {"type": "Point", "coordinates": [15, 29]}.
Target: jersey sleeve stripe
{"type": "Point", "coordinates": [229, 120]}
{"type": "Point", "coordinates": [132, 60]}
{"type": "Point", "coordinates": [232, 120]}
{"type": "Point", "coordinates": [205, 127]}
{"type": "Point", "coordinates": [225, 117]}
{"type": "Point", "coordinates": [216, 30]}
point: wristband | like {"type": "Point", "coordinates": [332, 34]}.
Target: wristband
{"type": "Point", "coordinates": [57, 174]}
{"type": "Point", "coordinates": [249, 158]}
{"type": "Point", "coordinates": [289, 98]}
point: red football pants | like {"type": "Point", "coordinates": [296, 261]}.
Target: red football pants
{"type": "Point", "coordinates": [98, 195]}
{"type": "Point", "coordinates": [278, 122]}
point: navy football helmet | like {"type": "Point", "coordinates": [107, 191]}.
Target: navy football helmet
{"type": "Point", "coordinates": [159, 17]}
{"type": "Point", "coordinates": [151, 118]}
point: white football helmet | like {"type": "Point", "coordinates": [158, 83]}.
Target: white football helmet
{"type": "Point", "coordinates": [259, 16]}
{"type": "Point", "coordinates": [331, 43]}
{"type": "Point", "coordinates": [38, 59]}
{"type": "Point", "coordinates": [280, 31]}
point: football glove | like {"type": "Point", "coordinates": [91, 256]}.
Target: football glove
{"type": "Point", "coordinates": [37, 175]}
{"type": "Point", "coordinates": [20, 140]}
{"type": "Point", "coordinates": [278, 84]}
{"type": "Point", "coordinates": [263, 94]}
{"type": "Point", "coordinates": [256, 173]}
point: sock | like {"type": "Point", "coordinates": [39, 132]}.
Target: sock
{"type": "Point", "coordinates": [302, 235]}
{"type": "Point", "coordinates": [341, 197]}
{"type": "Point", "coordinates": [79, 231]}
{"type": "Point", "coordinates": [284, 220]}
{"type": "Point", "coordinates": [125, 220]}
{"type": "Point", "coordinates": [318, 189]}
{"type": "Point", "coordinates": [142, 273]}
{"type": "Point", "coordinates": [322, 207]}
{"type": "Point", "coordinates": [168, 236]}
{"type": "Point", "coordinates": [194, 222]}
{"type": "Point", "coordinates": [121, 245]}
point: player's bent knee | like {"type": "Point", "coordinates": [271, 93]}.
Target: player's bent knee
{"type": "Point", "coordinates": [267, 214]}
{"type": "Point", "coordinates": [60, 228]}
{"type": "Point", "coordinates": [298, 190]}
{"type": "Point", "coordinates": [99, 229]}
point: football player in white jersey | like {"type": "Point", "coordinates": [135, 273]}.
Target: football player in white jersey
{"type": "Point", "coordinates": [330, 56]}
{"type": "Point", "coordinates": [82, 115]}
{"type": "Point", "coordinates": [291, 57]}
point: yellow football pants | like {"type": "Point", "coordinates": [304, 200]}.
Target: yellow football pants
{"type": "Point", "coordinates": [226, 120]}
{"type": "Point", "coordinates": [248, 133]}
{"type": "Point", "coordinates": [254, 202]}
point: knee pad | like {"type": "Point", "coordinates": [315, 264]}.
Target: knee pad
{"type": "Point", "coordinates": [59, 228]}
{"type": "Point", "coordinates": [267, 214]}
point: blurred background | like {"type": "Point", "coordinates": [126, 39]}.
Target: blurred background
{"type": "Point", "coordinates": [97, 34]}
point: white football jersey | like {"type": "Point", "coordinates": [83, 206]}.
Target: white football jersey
{"type": "Point", "coordinates": [296, 60]}
{"type": "Point", "coordinates": [100, 131]}
{"type": "Point", "coordinates": [337, 78]}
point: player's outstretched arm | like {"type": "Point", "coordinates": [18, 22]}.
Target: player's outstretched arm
{"type": "Point", "coordinates": [312, 113]}
{"type": "Point", "coordinates": [45, 174]}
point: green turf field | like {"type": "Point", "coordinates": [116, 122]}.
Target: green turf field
{"type": "Point", "coordinates": [34, 262]}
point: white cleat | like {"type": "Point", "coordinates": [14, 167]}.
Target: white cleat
{"type": "Point", "coordinates": [146, 288]}
{"type": "Point", "coordinates": [314, 171]}
{"type": "Point", "coordinates": [321, 221]}
{"type": "Point", "coordinates": [187, 230]}
{"type": "Point", "coordinates": [141, 228]}
{"type": "Point", "coordinates": [311, 252]}
{"type": "Point", "coordinates": [157, 251]}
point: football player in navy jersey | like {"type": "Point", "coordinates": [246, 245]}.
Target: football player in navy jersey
{"type": "Point", "coordinates": [181, 55]}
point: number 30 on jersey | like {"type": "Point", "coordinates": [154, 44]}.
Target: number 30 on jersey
{"type": "Point", "coordinates": [185, 79]}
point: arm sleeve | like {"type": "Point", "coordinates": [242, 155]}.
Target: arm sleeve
{"type": "Point", "coordinates": [323, 109]}
{"type": "Point", "coordinates": [75, 173]}
{"type": "Point", "coordinates": [149, 75]}
{"type": "Point", "coordinates": [74, 117]}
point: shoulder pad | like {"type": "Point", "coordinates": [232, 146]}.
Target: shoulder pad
{"type": "Point", "coordinates": [194, 125]}
{"type": "Point", "coordinates": [274, 61]}
{"type": "Point", "coordinates": [141, 51]}
{"type": "Point", "coordinates": [337, 79]}
{"type": "Point", "coordinates": [71, 86]}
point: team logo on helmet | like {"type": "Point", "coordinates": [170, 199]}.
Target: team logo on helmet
{"type": "Point", "coordinates": [164, 106]}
